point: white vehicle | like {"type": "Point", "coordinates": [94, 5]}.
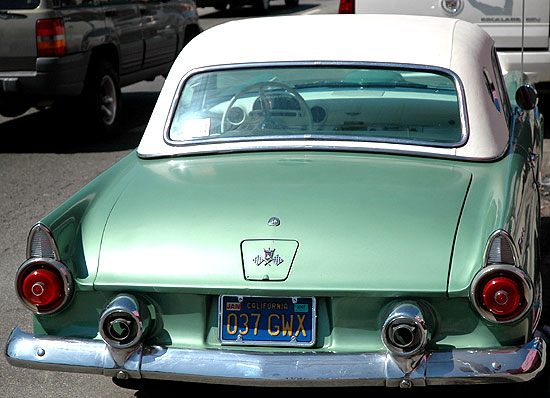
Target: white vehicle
{"type": "Point", "coordinates": [512, 25]}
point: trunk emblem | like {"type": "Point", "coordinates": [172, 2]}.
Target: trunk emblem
{"type": "Point", "coordinates": [268, 259]}
{"type": "Point", "coordinates": [452, 7]}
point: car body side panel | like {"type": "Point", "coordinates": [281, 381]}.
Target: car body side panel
{"type": "Point", "coordinates": [502, 196]}
{"type": "Point", "coordinates": [77, 225]}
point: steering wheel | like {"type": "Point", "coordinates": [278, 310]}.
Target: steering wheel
{"type": "Point", "coordinates": [260, 87]}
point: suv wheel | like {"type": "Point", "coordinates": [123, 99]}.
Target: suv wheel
{"type": "Point", "coordinates": [101, 97]}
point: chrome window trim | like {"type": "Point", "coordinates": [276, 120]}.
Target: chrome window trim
{"type": "Point", "coordinates": [311, 141]}
{"type": "Point", "coordinates": [501, 87]}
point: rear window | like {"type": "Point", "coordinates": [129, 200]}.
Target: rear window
{"type": "Point", "coordinates": [18, 5]}
{"type": "Point", "coordinates": [410, 106]}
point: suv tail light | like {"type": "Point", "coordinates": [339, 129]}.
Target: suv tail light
{"type": "Point", "coordinates": [50, 37]}
{"type": "Point", "coordinates": [346, 7]}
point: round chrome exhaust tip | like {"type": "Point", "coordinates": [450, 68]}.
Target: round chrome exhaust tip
{"type": "Point", "coordinates": [122, 323]}
{"type": "Point", "coordinates": [405, 331]}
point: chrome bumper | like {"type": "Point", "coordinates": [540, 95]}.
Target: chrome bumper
{"type": "Point", "coordinates": [503, 364]}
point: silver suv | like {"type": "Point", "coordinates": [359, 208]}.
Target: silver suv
{"type": "Point", "coordinates": [81, 52]}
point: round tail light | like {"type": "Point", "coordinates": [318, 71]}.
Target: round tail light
{"type": "Point", "coordinates": [44, 285]}
{"type": "Point", "coordinates": [501, 293]}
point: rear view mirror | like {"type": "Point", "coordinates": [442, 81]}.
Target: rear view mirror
{"type": "Point", "coordinates": [527, 97]}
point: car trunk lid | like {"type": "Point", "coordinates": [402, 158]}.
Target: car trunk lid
{"type": "Point", "coordinates": [347, 223]}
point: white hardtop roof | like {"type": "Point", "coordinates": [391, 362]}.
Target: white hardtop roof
{"type": "Point", "coordinates": [451, 44]}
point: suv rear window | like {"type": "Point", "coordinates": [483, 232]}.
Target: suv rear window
{"type": "Point", "coordinates": [18, 4]}
{"type": "Point", "coordinates": [410, 106]}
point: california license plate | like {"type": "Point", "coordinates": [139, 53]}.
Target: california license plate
{"type": "Point", "coordinates": [283, 321]}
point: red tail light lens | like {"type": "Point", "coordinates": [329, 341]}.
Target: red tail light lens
{"type": "Point", "coordinates": [502, 296]}
{"type": "Point", "coordinates": [50, 37]}
{"type": "Point", "coordinates": [502, 293]}
{"type": "Point", "coordinates": [43, 287]}
{"type": "Point", "coordinates": [347, 7]}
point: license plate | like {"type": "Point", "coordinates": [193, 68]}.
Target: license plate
{"type": "Point", "coordinates": [282, 321]}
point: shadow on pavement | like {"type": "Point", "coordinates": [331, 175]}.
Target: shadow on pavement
{"type": "Point", "coordinates": [251, 12]}
{"type": "Point", "coordinates": [50, 131]}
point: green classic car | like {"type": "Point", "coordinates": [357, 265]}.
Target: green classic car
{"type": "Point", "coordinates": [306, 210]}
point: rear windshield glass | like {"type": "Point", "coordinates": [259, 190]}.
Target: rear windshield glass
{"type": "Point", "coordinates": [327, 103]}
{"type": "Point", "coordinates": [18, 5]}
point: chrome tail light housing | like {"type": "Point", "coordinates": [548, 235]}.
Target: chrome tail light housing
{"type": "Point", "coordinates": [44, 285]}
{"type": "Point", "coordinates": [502, 293]}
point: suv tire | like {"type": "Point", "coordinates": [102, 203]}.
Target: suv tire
{"type": "Point", "coordinates": [101, 97]}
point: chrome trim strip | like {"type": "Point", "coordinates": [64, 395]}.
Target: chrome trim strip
{"type": "Point", "coordinates": [315, 141]}
{"type": "Point", "coordinates": [307, 368]}
{"type": "Point", "coordinates": [303, 146]}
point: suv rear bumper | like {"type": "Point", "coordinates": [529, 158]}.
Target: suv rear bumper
{"type": "Point", "coordinates": [458, 366]}
{"type": "Point", "coordinates": [54, 76]}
